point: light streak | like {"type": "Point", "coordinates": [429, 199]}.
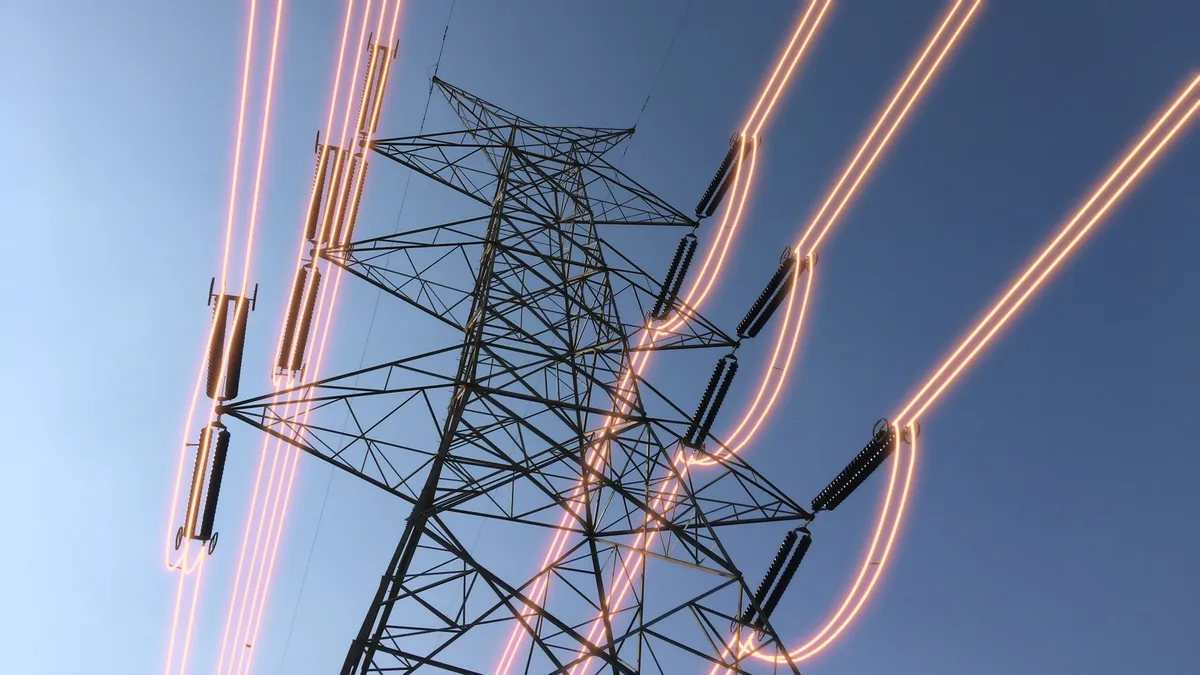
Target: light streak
{"type": "Point", "coordinates": [822, 225]}
{"type": "Point", "coordinates": [731, 218]}
{"type": "Point", "coordinates": [246, 530]}
{"type": "Point", "coordinates": [171, 641]}
{"type": "Point", "coordinates": [714, 260]}
{"type": "Point", "coordinates": [921, 403]}
{"type": "Point", "coordinates": [237, 158]}
{"type": "Point", "coordinates": [191, 624]}
{"type": "Point", "coordinates": [253, 584]}
{"type": "Point", "coordinates": [253, 602]}
{"type": "Point", "coordinates": [802, 28]}
{"type": "Point", "coordinates": [194, 572]}
{"type": "Point", "coordinates": [253, 216]}
{"type": "Point", "coordinates": [242, 583]}
{"type": "Point", "coordinates": [1096, 196]}
{"type": "Point", "coordinates": [735, 442]}
{"type": "Point", "coordinates": [859, 173]}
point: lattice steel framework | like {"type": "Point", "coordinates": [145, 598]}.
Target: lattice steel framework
{"type": "Point", "coordinates": [502, 428]}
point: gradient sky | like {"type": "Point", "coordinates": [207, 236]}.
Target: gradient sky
{"type": "Point", "coordinates": [1050, 530]}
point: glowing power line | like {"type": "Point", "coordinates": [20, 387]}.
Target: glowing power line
{"type": "Point", "coordinates": [853, 176]}
{"type": "Point", "coordinates": [1178, 115]}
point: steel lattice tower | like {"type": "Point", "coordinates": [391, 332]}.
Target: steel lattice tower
{"type": "Point", "coordinates": [496, 429]}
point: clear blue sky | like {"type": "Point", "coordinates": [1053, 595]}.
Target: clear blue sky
{"type": "Point", "coordinates": [1050, 532]}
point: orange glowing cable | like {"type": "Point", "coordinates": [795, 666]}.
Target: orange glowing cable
{"type": "Point", "coordinates": [851, 169]}
{"type": "Point", "coordinates": [272, 477]}
{"type": "Point", "coordinates": [195, 580]}
{"type": "Point", "coordinates": [830, 632]}
{"type": "Point", "coordinates": [903, 113]}
{"type": "Point", "coordinates": [257, 613]}
{"type": "Point", "coordinates": [267, 565]}
{"type": "Point", "coordinates": [279, 513]}
{"type": "Point", "coordinates": [246, 530]}
{"type": "Point", "coordinates": [376, 106]}
{"type": "Point", "coordinates": [808, 36]}
{"type": "Point", "coordinates": [717, 253]}
{"type": "Point", "coordinates": [175, 623]}
{"type": "Point", "coordinates": [262, 144]}
{"type": "Point", "coordinates": [595, 455]}
{"type": "Point", "coordinates": [237, 153]}
{"type": "Point", "coordinates": [734, 443]}
{"type": "Point", "coordinates": [249, 637]}
{"type": "Point", "coordinates": [541, 583]}
{"type": "Point", "coordinates": [1096, 196]}
{"type": "Point", "coordinates": [337, 189]}
{"type": "Point", "coordinates": [763, 95]}
{"type": "Point", "coordinates": [187, 640]}
{"type": "Point", "coordinates": [883, 116]}
{"type": "Point", "coordinates": [237, 158]}
{"type": "Point", "coordinates": [315, 195]}
{"type": "Point", "coordinates": [816, 645]}
{"type": "Point", "coordinates": [832, 628]}
{"type": "Point", "coordinates": [861, 174]}
{"type": "Point", "coordinates": [718, 250]}
{"type": "Point", "coordinates": [253, 217]}
{"type": "Point", "coordinates": [274, 531]}
{"type": "Point", "coordinates": [182, 563]}
{"type": "Point", "coordinates": [260, 510]}
{"type": "Point", "coordinates": [251, 226]}
{"type": "Point", "coordinates": [706, 279]}
{"type": "Point", "coordinates": [197, 487]}
{"type": "Point", "coordinates": [643, 541]}
{"type": "Point", "coordinates": [891, 539]}
{"type": "Point", "coordinates": [1059, 258]}
{"type": "Point", "coordinates": [248, 248]}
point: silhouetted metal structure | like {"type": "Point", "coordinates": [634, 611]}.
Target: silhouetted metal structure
{"type": "Point", "coordinates": [531, 414]}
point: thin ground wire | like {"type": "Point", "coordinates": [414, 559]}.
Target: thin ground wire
{"type": "Point", "coordinates": [361, 360]}
{"type": "Point", "coordinates": [661, 66]}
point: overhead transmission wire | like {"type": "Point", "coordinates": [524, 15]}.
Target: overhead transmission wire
{"type": "Point", "coordinates": [361, 360]}
{"type": "Point", "coordinates": [906, 418]}
{"type": "Point", "coordinates": [374, 111]}
{"type": "Point", "coordinates": [859, 174]}
{"type": "Point", "coordinates": [921, 401]}
{"type": "Point", "coordinates": [895, 500]}
{"type": "Point", "coordinates": [313, 197]}
{"type": "Point", "coordinates": [833, 207]}
{"type": "Point", "coordinates": [1107, 196]}
{"type": "Point", "coordinates": [796, 48]}
{"type": "Point", "coordinates": [182, 561]}
{"type": "Point", "coordinates": [862, 173]}
{"type": "Point", "coordinates": [235, 174]}
{"type": "Point", "coordinates": [266, 562]}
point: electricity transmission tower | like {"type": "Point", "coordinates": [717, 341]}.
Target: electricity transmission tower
{"type": "Point", "coordinates": [521, 430]}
